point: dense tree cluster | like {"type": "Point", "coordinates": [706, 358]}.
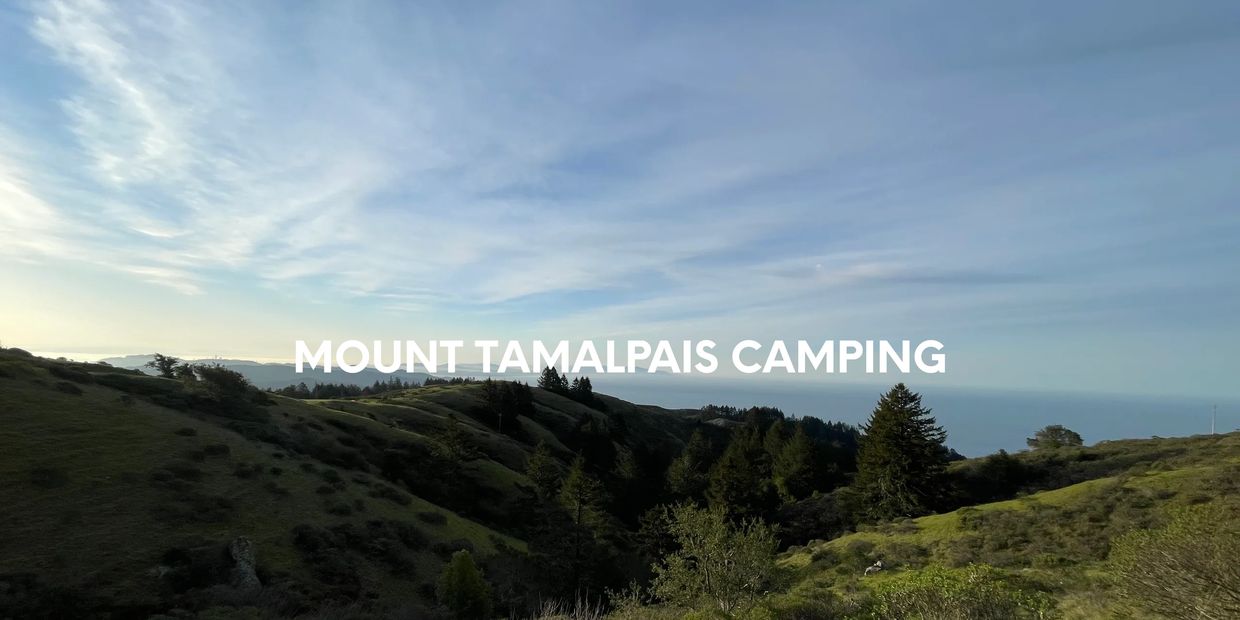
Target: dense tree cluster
{"type": "Point", "coordinates": [345, 390]}
{"type": "Point", "coordinates": [579, 389]}
{"type": "Point", "coordinates": [505, 402]}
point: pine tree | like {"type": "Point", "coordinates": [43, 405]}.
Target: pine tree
{"type": "Point", "coordinates": [902, 459]}
{"type": "Point", "coordinates": [582, 496]}
{"type": "Point", "coordinates": [740, 482]}
{"type": "Point", "coordinates": [463, 590]}
{"type": "Point", "coordinates": [774, 440]}
{"type": "Point", "coordinates": [552, 381]}
{"type": "Point", "coordinates": [794, 467]}
{"type": "Point", "coordinates": [543, 471]}
{"type": "Point", "coordinates": [687, 476]}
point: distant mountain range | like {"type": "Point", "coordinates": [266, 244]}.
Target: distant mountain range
{"type": "Point", "coordinates": [276, 375]}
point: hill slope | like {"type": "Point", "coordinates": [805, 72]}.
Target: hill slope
{"type": "Point", "coordinates": [1054, 541]}
{"type": "Point", "coordinates": [122, 492]}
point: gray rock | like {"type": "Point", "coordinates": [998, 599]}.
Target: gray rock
{"type": "Point", "coordinates": [245, 564]}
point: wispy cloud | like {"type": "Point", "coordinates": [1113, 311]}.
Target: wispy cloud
{"type": "Point", "coordinates": [594, 165]}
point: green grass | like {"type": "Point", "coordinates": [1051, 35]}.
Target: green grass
{"type": "Point", "coordinates": [1058, 539]}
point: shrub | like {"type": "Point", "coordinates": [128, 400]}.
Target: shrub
{"type": "Point", "coordinates": [68, 388]}
{"type": "Point", "coordinates": [446, 549]}
{"type": "Point", "coordinates": [391, 494]}
{"type": "Point", "coordinates": [217, 449]}
{"type": "Point", "coordinates": [1186, 569]}
{"type": "Point", "coordinates": [71, 374]}
{"type": "Point", "coordinates": [184, 471]}
{"type": "Point", "coordinates": [48, 477]}
{"type": "Point", "coordinates": [730, 567]}
{"type": "Point", "coordinates": [978, 592]}
{"type": "Point", "coordinates": [275, 489]}
{"type": "Point", "coordinates": [432, 517]}
{"type": "Point", "coordinates": [462, 589]}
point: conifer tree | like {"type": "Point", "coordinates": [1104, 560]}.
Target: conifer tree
{"type": "Point", "coordinates": [740, 482]}
{"type": "Point", "coordinates": [688, 474]}
{"type": "Point", "coordinates": [552, 381]}
{"type": "Point", "coordinates": [582, 496]}
{"type": "Point", "coordinates": [774, 440]}
{"type": "Point", "coordinates": [793, 471]}
{"type": "Point", "coordinates": [543, 471]}
{"type": "Point", "coordinates": [902, 459]}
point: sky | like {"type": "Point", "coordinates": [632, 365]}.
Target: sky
{"type": "Point", "coordinates": [1048, 188]}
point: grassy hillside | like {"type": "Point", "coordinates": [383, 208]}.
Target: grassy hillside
{"type": "Point", "coordinates": [123, 491]}
{"type": "Point", "coordinates": [126, 495]}
{"type": "Point", "coordinates": [1056, 542]}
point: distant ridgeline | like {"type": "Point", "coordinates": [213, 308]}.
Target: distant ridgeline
{"type": "Point", "coordinates": [193, 493]}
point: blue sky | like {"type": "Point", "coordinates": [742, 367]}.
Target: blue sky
{"type": "Point", "coordinates": [1050, 189]}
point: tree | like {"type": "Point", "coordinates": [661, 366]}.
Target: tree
{"type": "Point", "coordinates": [582, 496]}
{"type": "Point", "coordinates": [687, 475]}
{"type": "Point", "coordinates": [716, 563]}
{"type": "Point", "coordinates": [1054, 436]}
{"type": "Point", "coordinates": [552, 381]}
{"type": "Point", "coordinates": [774, 440]}
{"type": "Point", "coordinates": [543, 471]}
{"type": "Point", "coordinates": [165, 365]}
{"type": "Point", "coordinates": [463, 590]}
{"type": "Point", "coordinates": [794, 469]}
{"type": "Point", "coordinates": [506, 401]}
{"type": "Point", "coordinates": [740, 482]}
{"type": "Point", "coordinates": [902, 460]}
{"type": "Point", "coordinates": [1186, 569]}
{"type": "Point", "coordinates": [453, 443]}
{"type": "Point", "coordinates": [582, 391]}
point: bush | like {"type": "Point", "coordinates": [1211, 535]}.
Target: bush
{"type": "Point", "coordinates": [978, 592]}
{"type": "Point", "coordinates": [71, 374]}
{"type": "Point", "coordinates": [48, 477]}
{"type": "Point", "coordinates": [217, 449]}
{"type": "Point", "coordinates": [275, 489]}
{"type": "Point", "coordinates": [391, 494]}
{"type": "Point", "coordinates": [432, 517]}
{"type": "Point", "coordinates": [68, 388]}
{"type": "Point", "coordinates": [462, 589]}
{"type": "Point", "coordinates": [1187, 569]}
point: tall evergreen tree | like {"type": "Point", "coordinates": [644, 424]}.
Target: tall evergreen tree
{"type": "Point", "coordinates": [740, 482]}
{"type": "Point", "coordinates": [688, 474]}
{"type": "Point", "coordinates": [902, 459]}
{"type": "Point", "coordinates": [794, 470]}
{"type": "Point", "coordinates": [582, 496]}
{"type": "Point", "coordinates": [773, 441]}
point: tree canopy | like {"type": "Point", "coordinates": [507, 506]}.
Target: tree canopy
{"type": "Point", "coordinates": [902, 460]}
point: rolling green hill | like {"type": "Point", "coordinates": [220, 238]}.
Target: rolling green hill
{"type": "Point", "coordinates": [125, 495]}
{"type": "Point", "coordinates": [123, 491]}
{"type": "Point", "coordinates": [1055, 542]}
